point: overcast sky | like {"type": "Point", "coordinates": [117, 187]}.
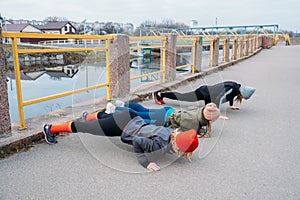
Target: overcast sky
{"type": "Point", "coordinates": [285, 13]}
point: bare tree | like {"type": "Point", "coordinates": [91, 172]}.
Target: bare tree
{"type": "Point", "coordinates": [55, 19]}
{"type": "Point", "coordinates": [148, 24]}
{"type": "Point", "coordinates": [166, 23]}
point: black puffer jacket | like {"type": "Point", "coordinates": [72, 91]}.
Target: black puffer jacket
{"type": "Point", "coordinates": [214, 93]}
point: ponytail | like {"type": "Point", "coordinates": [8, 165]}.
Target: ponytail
{"type": "Point", "coordinates": [239, 98]}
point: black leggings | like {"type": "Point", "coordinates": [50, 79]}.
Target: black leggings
{"type": "Point", "coordinates": [109, 126]}
{"type": "Point", "coordinates": [193, 96]}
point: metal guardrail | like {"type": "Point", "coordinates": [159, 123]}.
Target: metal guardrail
{"type": "Point", "coordinates": [156, 42]}
{"type": "Point", "coordinates": [208, 41]}
{"type": "Point", "coordinates": [162, 46]}
{"type": "Point", "coordinates": [16, 51]}
{"type": "Point", "coordinates": [193, 46]}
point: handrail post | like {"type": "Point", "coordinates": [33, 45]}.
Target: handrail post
{"type": "Point", "coordinates": [240, 49]}
{"type": "Point", "coordinates": [18, 83]}
{"type": "Point", "coordinates": [246, 47]}
{"type": "Point", "coordinates": [251, 45]}
{"type": "Point", "coordinates": [226, 50]}
{"type": "Point", "coordinates": [5, 124]}
{"type": "Point", "coordinates": [211, 52]}
{"type": "Point", "coordinates": [259, 41]}
{"type": "Point", "coordinates": [170, 67]}
{"type": "Point", "coordinates": [107, 54]}
{"type": "Point", "coordinates": [119, 70]}
{"type": "Point", "coordinates": [215, 53]}
{"type": "Point", "coordinates": [234, 49]}
{"type": "Point", "coordinates": [256, 42]}
{"type": "Point", "coordinates": [197, 54]}
{"type": "Point", "coordinates": [193, 55]}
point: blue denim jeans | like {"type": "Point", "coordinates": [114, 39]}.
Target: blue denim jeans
{"type": "Point", "coordinates": [155, 116]}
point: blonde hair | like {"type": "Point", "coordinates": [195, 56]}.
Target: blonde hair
{"type": "Point", "coordinates": [186, 155]}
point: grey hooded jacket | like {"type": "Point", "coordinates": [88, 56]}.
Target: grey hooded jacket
{"type": "Point", "coordinates": [146, 138]}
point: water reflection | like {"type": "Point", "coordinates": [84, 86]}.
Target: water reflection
{"type": "Point", "coordinates": [45, 83]}
{"type": "Point", "coordinates": [50, 83]}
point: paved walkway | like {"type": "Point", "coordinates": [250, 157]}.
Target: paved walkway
{"type": "Point", "coordinates": [254, 155]}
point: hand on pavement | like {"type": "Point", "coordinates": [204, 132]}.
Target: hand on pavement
{"type": "Point", "coordinates": [234, 108]}
{"type": "Point", "coordinates": [224, 117]}
{"type": "Point", "coordinates": [153, 167]}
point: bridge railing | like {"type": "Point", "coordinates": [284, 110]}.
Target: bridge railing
{"type": "Point", "coordinates": [188, 42]}
{"type": "Point", "coordinates": [15, 37]}
{"type": "Point", "coordinates": [159, 42]}
{"type": "Point", "coordinates": [155, 43]}
{"type": "Point", "coordinates": [167, 45]}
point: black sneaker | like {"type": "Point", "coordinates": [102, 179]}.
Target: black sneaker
{"type": "Point", "coordinates": [49, 137]}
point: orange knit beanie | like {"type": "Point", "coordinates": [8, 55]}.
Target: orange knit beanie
{"type": "Point", "coordinates": [187, 141]}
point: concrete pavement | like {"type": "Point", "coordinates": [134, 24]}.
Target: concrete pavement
{"type": "Point", "coordinates": [254, 155]}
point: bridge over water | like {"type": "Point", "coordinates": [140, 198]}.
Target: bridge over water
{"type": "Point", "coordinates": [216, 30]}
{"type": "Point", "coordinates": [254, 155]}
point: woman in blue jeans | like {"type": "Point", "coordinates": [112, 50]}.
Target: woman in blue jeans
{"type": "Point", "coordinates": [155, 116]}
{"type": "Point", "coordinates": [150, 115]}
{"type": "Point", "coordinates": [199, 119]}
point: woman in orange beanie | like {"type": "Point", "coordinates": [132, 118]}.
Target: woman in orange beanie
{"type": "Point", "coordinates": [133, 130]}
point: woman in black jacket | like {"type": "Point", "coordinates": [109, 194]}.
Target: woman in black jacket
{"type": "Point", "coordinates": [133, 130]}
{"type": "Point", "coordinates": [218, 94]}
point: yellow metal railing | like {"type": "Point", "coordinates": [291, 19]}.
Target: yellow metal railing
{"type": "Point", "coordinates": [16, 51]}
{"type": "Point", "coordinates": [193, 41]}
{"type": "Point", "coordinates": [212, 49]}
{"type": "Point", "coordinates": [193, 50]}
{"type": "Point", "coordinates": [207, 45]}
{"type": "Point", "coordinates": [223, 43]}
{"type": "Point", "coordinates": [162, 46]}
{"type": "Point", "coordinates": [210, 43]}
{"type": "Point", "coordinates": [158, 42]}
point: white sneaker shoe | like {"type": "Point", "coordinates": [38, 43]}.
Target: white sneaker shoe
{"type": "Point", "coordinates": [110, 108]}
{"type": "Point", "coordinates": [120, 103]}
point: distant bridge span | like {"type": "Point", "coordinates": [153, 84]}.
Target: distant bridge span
{"type": "Point", "coordinates": [216, 30]}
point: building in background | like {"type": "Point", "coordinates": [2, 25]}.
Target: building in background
{"type": "Point", "coordinates": [58, 28]}
{"type": "Point", "coordinates": [20, 28]}
{"type": "Point", "coordinates": [193, 24]}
